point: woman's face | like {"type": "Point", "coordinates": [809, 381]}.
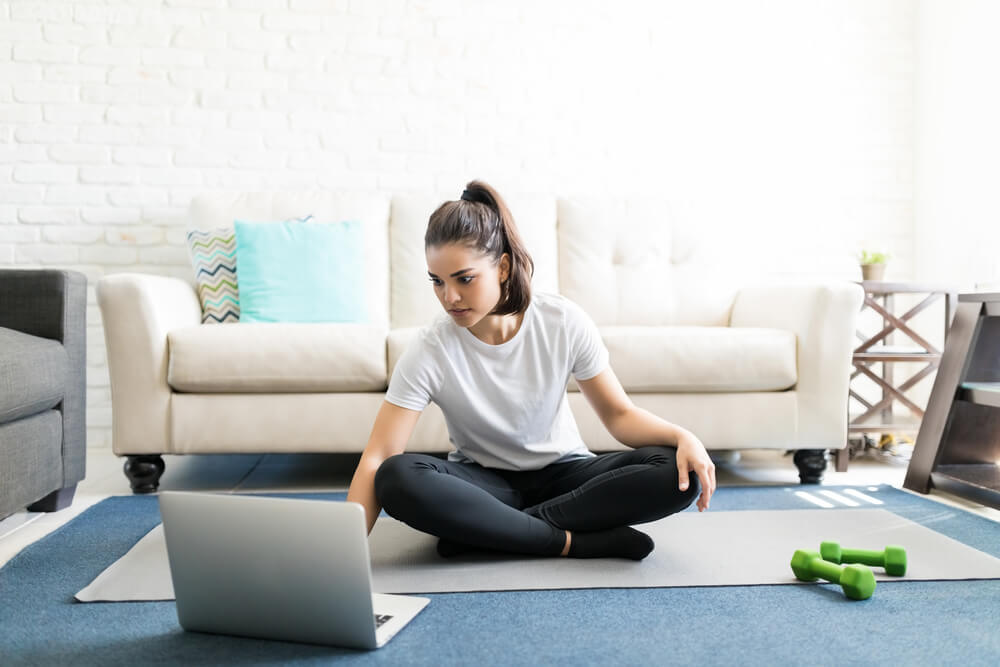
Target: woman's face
{"type": "Point", "coordinates": [466, 282]}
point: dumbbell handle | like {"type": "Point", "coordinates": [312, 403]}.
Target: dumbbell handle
{"type": "Point", "coordinates": [863, 556]}
{"type": "Point", "coordinates": [826, 570]}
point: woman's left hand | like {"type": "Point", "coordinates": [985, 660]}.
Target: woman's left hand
{"type": "Point", "coordinates": [692, 457]}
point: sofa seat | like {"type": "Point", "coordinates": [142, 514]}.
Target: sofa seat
{"type": "Point", "coordinates": [277, 358]}
{"type": "Point", "coordinates": [33, 373]}
{"type": "Point", "coordinates": [672, 359]}
{"type": "Point", "coordinates": [657, 359]}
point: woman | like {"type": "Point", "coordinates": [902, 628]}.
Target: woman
{"type": "Point", "coordinates": [520, 479]}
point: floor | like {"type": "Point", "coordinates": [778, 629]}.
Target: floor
{"type": "Point", "coordinates": [311, 472]}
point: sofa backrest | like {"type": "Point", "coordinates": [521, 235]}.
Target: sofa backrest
{"type": "Point", "coordinates": [413, 300]}
{"type": "Point", "coordinates": [372, 211]}
{"type": "Point", "coordinates": [623, 260]}
{"type": "Point", "coordinates": [626, 263]}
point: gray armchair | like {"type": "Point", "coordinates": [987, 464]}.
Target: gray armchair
{"type": "Point", "coordinates": [43, 434]}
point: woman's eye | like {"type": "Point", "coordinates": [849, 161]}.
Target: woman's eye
{"type": "Point", "coordinates": [464, 280]}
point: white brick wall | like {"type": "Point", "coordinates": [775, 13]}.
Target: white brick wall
{"type": "Point", "coordinates": [783, 128]}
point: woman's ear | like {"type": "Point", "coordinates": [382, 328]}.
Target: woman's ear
{"type": "Point", "coordinates": [504, 269]}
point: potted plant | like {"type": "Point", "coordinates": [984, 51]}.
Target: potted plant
{"type": "Point", "coordinates": [873, 264]}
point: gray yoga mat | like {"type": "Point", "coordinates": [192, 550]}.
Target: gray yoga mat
{"type": "Point", "coordinates": [692, 549]}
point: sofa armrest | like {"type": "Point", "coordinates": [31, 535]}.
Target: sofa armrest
{"type": "Point", "coordinates": [823, 318]}
{"type": "Point", "coordinates": [52, 304]}
{"type": "Point", "coordinates": [44, 302]}
{"type": "Point", "coordinates": [138, 311]}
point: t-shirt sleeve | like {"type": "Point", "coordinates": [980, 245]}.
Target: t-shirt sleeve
{"type": "Point", "coordinates": [412, 383]}
{"type": "Point", "coordinates": [590, 355]}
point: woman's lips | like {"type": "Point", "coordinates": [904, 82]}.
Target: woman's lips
{"type": "Point", "coordinates": [459, 311]}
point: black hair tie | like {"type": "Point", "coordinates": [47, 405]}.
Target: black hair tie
{"type": "Point", "coordinates": [468, 195]}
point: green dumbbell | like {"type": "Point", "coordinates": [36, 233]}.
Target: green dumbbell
{"type": "Point", "coordinates": [857, 581]}
{"type": "Point", "coordinates": [892, 558]}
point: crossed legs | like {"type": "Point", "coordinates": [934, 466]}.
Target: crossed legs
{"type": "Point", "coordinates": [532, 512]}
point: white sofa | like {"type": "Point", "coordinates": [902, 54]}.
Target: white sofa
{"type": "Point", "coordinates": [758, 366]}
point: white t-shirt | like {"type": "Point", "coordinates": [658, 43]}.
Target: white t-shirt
{"type": "Point", "coordinates": [505, 405]}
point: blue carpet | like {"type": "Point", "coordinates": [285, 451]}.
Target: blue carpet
{"type": "Point", "coordinates": [905, 623]}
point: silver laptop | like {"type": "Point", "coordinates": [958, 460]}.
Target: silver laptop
{"type": "Point", "coordinates": [277, 568]}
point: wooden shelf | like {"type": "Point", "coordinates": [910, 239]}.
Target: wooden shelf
{"type": "Point", "coordinates": [894, 356]}
{"type": "Point", "coordinates": [977, 481]}
{"type": "Point", "coordinates": [899, 349]}
{"type": "Point", "coordinates": [886, 427]}
{"type": "Point", "coordinates": [884, 424]}
{"type": "Point", "coordinates": [886, 287]}
{"type": "Point", "coordinates": [980, 393]}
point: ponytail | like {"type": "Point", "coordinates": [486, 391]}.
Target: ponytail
{"type": "Point", "coordinates": [481, 219]}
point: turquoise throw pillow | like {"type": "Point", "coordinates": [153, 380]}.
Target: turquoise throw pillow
{"type": "Point", "coordinates": [300, 272]}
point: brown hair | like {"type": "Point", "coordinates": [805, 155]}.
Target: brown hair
{"type": "Point", "coordinates": [481, 220]}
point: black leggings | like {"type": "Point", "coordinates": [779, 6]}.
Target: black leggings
{"type": "Point", "coordinates": [528, 512]}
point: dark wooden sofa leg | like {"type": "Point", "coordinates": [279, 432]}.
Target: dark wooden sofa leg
{"type": "Point", "coordinates": [842, 457]}
{"type": "Point", "coordinates": [811, 464]}
{"type": "Point", "coordinates": [59, 499]}
{"type": "Point", "coordinates": [144, 472]}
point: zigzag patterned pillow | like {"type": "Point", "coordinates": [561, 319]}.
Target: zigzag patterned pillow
{"type": "Point", "coordinates": [213, 253]}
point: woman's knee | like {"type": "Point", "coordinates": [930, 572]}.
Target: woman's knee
{"type": "Point", "coordinates": [401, 480]}
{"type": "Point", "coordinates": [658, 455]}
{"type": "Point", "coordinates": [693, 490]}
{"type": "Point", "coordinates": [664, 460]}
{"type": "Point", "coordinates": [392, 478]}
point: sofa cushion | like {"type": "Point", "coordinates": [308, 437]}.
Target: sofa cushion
{"type": "Point", "coordinates": [625, 262]}
{"type": "Point", "coordinates": [213, 254]}
{"type": "Point", "coordinates": [277, 357]}
{"type": "Point", "coordinates": [396, 344]}
{"type": "Point", "coordinates": [295, 272]}
{"type": "Point", "coordinates": [33, 374]}
{"type": "Point", "coordinates": [701, 359]}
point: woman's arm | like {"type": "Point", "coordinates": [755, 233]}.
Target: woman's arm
{"type": "Point", "coordinates": [635, 427]}
{"type": "Point", "coordinates": [392, 430]}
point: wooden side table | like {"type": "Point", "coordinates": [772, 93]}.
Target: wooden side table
{"type": "Point", "coordinates": [873, 349]}
{"type": "Point", "coordinates": [958, 446]}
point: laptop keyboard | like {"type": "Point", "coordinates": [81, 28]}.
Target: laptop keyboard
{"type": "Point", "coordinates": [380, 619]}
